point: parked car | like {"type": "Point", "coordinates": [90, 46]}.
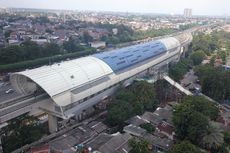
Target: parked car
{"type": "Point", "coordinates": [9, 91]}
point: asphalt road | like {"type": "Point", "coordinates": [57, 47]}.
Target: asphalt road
{"type": "Point", "coordinates": [5, 97]}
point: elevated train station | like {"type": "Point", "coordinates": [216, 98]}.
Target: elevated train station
{"type": "Point", "coordinates": [72, 88]}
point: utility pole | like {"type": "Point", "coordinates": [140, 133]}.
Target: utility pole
{"type": "Point", "coordinates": [1, 150]}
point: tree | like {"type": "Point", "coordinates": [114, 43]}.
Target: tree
{"type": "Point", "coordinates": [197, 125]}
{"type": "Point", "coordinates": [131, 101]}
{"type": "Point", "coordinates": [222, 149]}
{"type": "Point", "coordinates": [49, 31]}
{"type": "Point", "coordinates": [21, 131]}
{"type": "Point", "coordinates": [197, 57]}
{"type": "Point", "coordinates": [214, 81]}
{"type": "Point", "coordinates": [72, 45]}
{"type": "Point", "coordinates": [227, 138]}
{"type": "Point", "coordinates": [118, 112]}
{"type": "Point", "coordinates": [87, 38]}
{"type": "Point", "coordinates": [145, 94]}
{"type": "Point", "coordinates": [205, 43]}
{"type": "Point", "coordinates": [139, 146]}
{"type": "Point", "coordinates": [191, 118]}
{"type": "Point", "coordinates": [213, 137]}
{"type": "Point", "coordinates": [148, 127]}
{"type": "Point", "coordinates": [202, 105]}
{"type": "Point", "coordinates": [32, 50]}
{"type": "Point", "coordinates": [10, 55]}
{"type": "Point", "coordinates": [178, 70]}
{"type": "Point", "coordinates": [51, 49]}
{"type": "Point", "coordinates": [184, 147]}
{"type": "Point", "coordinates": [7, 33]}
{"type": "Point", "coordinates": [41, 20]}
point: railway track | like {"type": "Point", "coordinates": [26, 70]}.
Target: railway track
{"type": "Point", "coordinates": [20, 103]}
{"type": "Point", "coordinates": [14, 101]}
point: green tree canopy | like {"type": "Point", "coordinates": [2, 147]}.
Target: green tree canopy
{"type": "Point", "coordinates": [28, 50]}
{"type": "Point", "coordinates": [227, 138]}
{"type": "Point", "coordinates": [191, 118]}
{"type": "Point", "coordinates": [197, 57]}
{"type": "Point", "coordinates": [145, 94]}
{"type": "Point", "coordinates": [213, 137]}
{"type": "Point", "coordinates": [215, 82]}
{"type": "Point", "coordinates": [139, 146]}
{"type": "Point", "coordinates": [72, 45]}
{"type": "Point", "coordinates": [178, 70]}
{"type": "Point", "coordinates": [202, 105]}
{"type": "Point", "coordinates": [21, 131]}
{"type": "Point", "coordinates": [184, 147]}
{"type": "Point", "coordinates": [148, 127]}
{"type": "Point", "coordinates": [206, 43]}
{"type": "Point", "coordinates": [131, 101]}
{"type": "Point", "coordinates": [87, 38]}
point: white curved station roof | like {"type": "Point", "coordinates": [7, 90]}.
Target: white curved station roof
{"type": "Point", "coordinates": [63, 77]}
{"type": "Point", "coordinates": [57, 78]}
{"type": "Point", "coordinates": [170, 42]}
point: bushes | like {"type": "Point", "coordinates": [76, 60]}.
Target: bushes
{"type": "Point", "coordinates": [148, 127]}
{"type": "Point", "coordinates": [30, 55]}
{"type": "Point", "coordinates": [27, 51]}
{"type": "Point", "coordinates": [42, 61]}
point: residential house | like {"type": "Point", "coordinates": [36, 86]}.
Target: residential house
{"type": "Point", "coordinates": [136, 120]}
{"type": "Point", "coordinates": [134, 130]}
{"type": "Point", "coordinates": [41, 149]}
{"type": "Point", "coordinates": [166, 129]}
{"type": "Point", "coordinates": [117, 144]}
{"type": "Point", "coordinates": [159, 145]}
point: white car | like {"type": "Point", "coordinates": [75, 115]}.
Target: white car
{"type": "Point", "coordinates": [9, 91]}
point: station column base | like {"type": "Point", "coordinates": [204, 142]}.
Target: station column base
{"type": "Point", "coordinates": [52, 122]}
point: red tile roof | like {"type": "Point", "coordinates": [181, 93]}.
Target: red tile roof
{"type": "Point", "coordinates": [165, 127]}
{"type": "Point", "coordinates": [41, 149]}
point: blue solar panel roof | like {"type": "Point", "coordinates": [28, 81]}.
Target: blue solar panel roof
{"type": "Point", "coordinates": [122, 58]}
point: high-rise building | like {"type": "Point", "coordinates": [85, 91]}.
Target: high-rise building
{"type": "Point", "coordinates": [187, 13]}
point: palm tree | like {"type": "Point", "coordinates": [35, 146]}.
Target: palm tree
{"type": "Point", "coordinates": [213, 137]}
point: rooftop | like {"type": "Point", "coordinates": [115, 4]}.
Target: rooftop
{"type": "Point", "coordinates": [134, 130]}
{"type": "Point", "coordinates": [125, 57]}
{"type": "Point", "coordinates": [136, 120]}
{"type": "Point", "coordinates": [165, 127]}
{"type": "Point", "coordinates": [162, 143]}
{"type": "Point", "coordinates": [116, 144]}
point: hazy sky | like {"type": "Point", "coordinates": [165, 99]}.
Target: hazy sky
{"type": "Point", "coordinates": [200, 7]}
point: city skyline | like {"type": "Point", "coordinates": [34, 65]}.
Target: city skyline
{"type": "Point", "coordinates": [203, 7]}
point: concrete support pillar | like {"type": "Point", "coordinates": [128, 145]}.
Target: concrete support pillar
{"type": "Point", "coordinates": [182, 51]}
{"type": "Point", "coordinates": [52, 121]}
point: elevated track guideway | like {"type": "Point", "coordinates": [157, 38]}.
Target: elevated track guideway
{"type": "Point", "coordinates": [19, 106]}
{"type": "Point", "coordinates": [14, 101]}
{"type": "Point", "coordinates": [177, 85]}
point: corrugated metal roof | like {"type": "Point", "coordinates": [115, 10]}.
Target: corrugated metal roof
{"type": "Point", "coordinates": [122, 58]}
{"type": "Point", "coordinates": [57, 78]}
